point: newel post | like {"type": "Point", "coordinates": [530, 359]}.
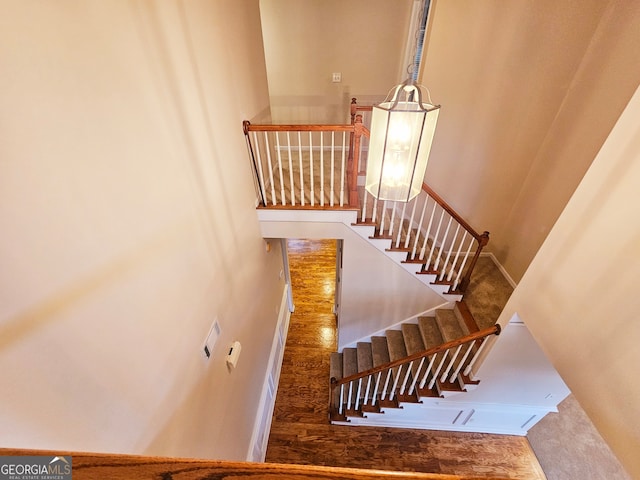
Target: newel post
{"type": "Point", "coordinates": [354, 109]}
{"type": "Point", "coordinates": [355, 161]}
{"type": "Point", "coordinates": [482, 242]}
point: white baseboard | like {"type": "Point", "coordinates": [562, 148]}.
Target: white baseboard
{"type": "Point", "coordinates": [262, 426]}
{"type": "Point", "coordinates": [397, 325]}
{"type": "Point", "coordinates": [500, 267]}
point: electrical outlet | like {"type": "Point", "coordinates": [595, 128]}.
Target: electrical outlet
{"type": "Point", "coordinates": [336, 77]}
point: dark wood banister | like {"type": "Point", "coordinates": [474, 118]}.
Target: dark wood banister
{"type": "Point", "coordinates": [107, 465]}
{"type": "Point", "coordinates": [249, 127]}
{"type": "Point", "coordinates": [494, 330]}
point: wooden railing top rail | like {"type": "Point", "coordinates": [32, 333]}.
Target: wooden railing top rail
{"type": "Point", "coordinates": [249, 127]}
{"type": "Point", "coordinates": [494, 330]}
{"type": "Point", "coordinates": [106, 466]}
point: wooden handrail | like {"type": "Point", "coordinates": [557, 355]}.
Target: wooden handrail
{"type": "Point", "coordinates": [106, 466]}
{"type": "Point", "coordinates": [494, 330]}
{"type": "Point", "coordinates": [453, 213]}
{"type": "Point", "coordinates": [249, 127]}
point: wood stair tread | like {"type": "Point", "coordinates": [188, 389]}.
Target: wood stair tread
{"type": "Point", "coordinates": [335, 365]}
{"type": "Point", "coordinates": [380, 351]}
{"type": "Point", "coordinates": [431, 335]}
{"type": "Point", "coordinates": [365, 356]}
{"type": "Point", "coordinates": [449, 325]}
{"type": "Point", "coordinates": [395, 342]}
{"type": "Point", "coordinates": [412, 338]}
{"type": "Point", "coordinates": [349, 362]}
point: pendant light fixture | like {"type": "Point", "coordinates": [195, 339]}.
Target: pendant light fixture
{"type": "Point", "coordinates": [402, 129]}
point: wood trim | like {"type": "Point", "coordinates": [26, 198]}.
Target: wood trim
{"type": "Point", "coordinates": [309, 207]}
{"type": "Point", "coordinates": [100, 465]}
{"type": "Point", "coordinates": [249, 127]}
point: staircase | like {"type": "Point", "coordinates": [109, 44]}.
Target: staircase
{"type": "Point", "coordinates": [430, 358]}
{"type": "Point", "coordinates": [309, 173]}
{"type": "Point", "coordinates": [314, 167]}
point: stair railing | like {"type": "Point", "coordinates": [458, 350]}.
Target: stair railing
{"type": "Point", "coordinates": [442, 240]}
{"type": "Point", "coordinates": [364, 112]}
{"type": "Point", "coordinates": [307, 166]}
{"type": "Point", "coordinates": [432, 234]}
{"type": "Point", "coordinates": [408, 377]}
{"type": "Point", "coordinates": [317, 166]}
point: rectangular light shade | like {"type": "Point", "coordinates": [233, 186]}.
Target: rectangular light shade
{"type": "Point", "coordinates": [399, 146]}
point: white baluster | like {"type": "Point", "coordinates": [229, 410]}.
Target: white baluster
{"type": "Point", "coordinates": [464, 261]}
{"type": "Point", "coordinates": [455, 259]}
{"type": "Point", "coordinates": [349, 395]}
{"type": "Point", "coordinates": [311, 179]}
{"type": "Point", "coordinates": [366, 391]}
{"type": "Point", "coordinates": [428, 370]}
{"type": "Point", "coordinates": [383, 216]}
{"type": "Point", "coordinates": [437, 372]}
{"type": "Point", "coordinates": [293, 194]}
{"type": "Point", "coordinates": [359, 391]}
{"type": "Point", "coordinates": [399, 234]}
{"type": "Point", "coordinates": [442, 244]}
{"type": "Point", "coordinates": [449, 251]}
{"type": "Point", "coordinates": [406, 378]}
{"type": "Point", "coordinates": [333, 151]}
{"type": "Point", "coordinates": [301, 169]}
{"type": "Point", "coordinates": [259, 166]}
{"type": "Point", "coordinates": [461, 364]}
{"type": "Point", "coordinates": [282, 197]}
{"type": "Point", "coordinates": [321, 169]}
{"type": "Point", "coordinates": [435, 240]}
{"type": "Point", "coordinates": [415, 243]}
{"type": "Point", "coordinates": [374, 398]}
{"type": "Point", "coordinates": [342, 175]}
{"type": "Point", "coordinates": [374, 215]}
{"type": "Point", "coordinates": [393, 220]}
{"type": "Point", "coordinates": [386, 384]}
{"type": "Point", "coordinates": [428, 233]}
{"type": "Point", "coordinates": [410, 226]}
{"type": "Point", "coordinates": [416, 376]}
{"type": "Point", "coordinates": [395, 382]}
{"type": "Point", "coordinates": [467, 370]}
{"type": "Point", "coordinates": [340, 408]}
{"type": "Point", "coordinates": [445, 374]}
{"type": "Point", "coordinates": [268, 150]}
{"type": "Point", "coordinates": [364, 206]}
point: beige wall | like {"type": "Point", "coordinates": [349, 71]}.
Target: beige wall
{"type": "Point", "coordinates": [128, 225]}
{"type": "Point", "coordinates": [579, 296]}
{"type": "Point", "coordinates": [305, 42]}
{"type": "Point", "coordinates": [529, 91]}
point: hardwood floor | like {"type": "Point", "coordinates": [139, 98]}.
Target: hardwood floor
{"type": "Point", "coordinates": [300, 431]}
